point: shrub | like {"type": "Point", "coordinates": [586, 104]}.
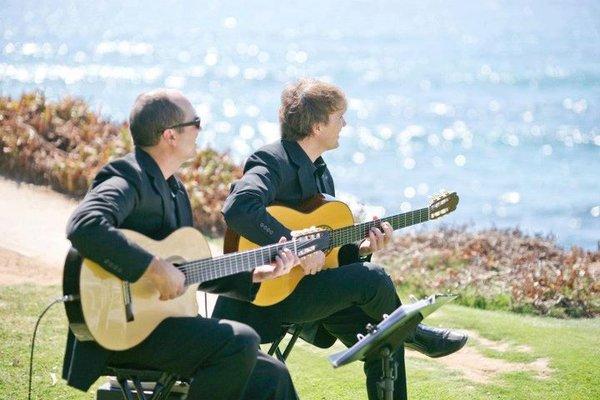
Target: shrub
{"type": "Point", "coordinates": [498, 269]}
{"type": "Point", "coordinates": [63, 144]}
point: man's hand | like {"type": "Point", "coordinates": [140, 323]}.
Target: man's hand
{"type": "Point", "coordinates": [377, 240]}
{"type": "Point", "coordinates": [314, 262]}
{"type": "Point", "coordinates": [282, 265]}
{"type": "Point", "coordinates": [166, 278]}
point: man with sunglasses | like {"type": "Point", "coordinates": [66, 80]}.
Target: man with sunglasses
{"type": "Point", "coordinates": [140, 192]}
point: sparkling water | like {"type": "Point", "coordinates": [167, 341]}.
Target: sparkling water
{"type": "Point", "coordinates": [499, 101]}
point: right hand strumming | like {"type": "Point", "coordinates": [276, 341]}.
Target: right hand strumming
{"type": "Point", "coordinates": [168, 280]}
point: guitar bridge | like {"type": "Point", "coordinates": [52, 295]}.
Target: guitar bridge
{"type": "Point", "coordinates": [126, 290]}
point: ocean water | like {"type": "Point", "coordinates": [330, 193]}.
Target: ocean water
{"type": "Point", "coordinates": [499, 101]}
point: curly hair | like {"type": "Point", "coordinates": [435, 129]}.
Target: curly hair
{"type": "Point", "coordinates": [306, 103]}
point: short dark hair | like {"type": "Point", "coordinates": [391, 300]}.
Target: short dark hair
{"type": "Point", "coordinates": [152, 112]}
{"type": "Point", "coordinates": [306, 103]}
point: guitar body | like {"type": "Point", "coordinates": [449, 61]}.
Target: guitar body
{"type": "Point", "coordinates": [100, 314]}
{"type": "Point", "coordinates": [320, 211]}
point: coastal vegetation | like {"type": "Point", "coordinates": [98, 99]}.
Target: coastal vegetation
{"type": "Point", "coordinates": [498, 269]}
{"type": "Point", "coordinates": [63, 143]}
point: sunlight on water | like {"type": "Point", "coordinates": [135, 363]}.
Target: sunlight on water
{"type": "Point", "coordinates": [497, 103]}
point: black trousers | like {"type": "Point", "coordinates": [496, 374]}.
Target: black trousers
{"type": "Point", "coordinates": [344, 300]}
{"type": "Point", "coordinates": [221, 357]}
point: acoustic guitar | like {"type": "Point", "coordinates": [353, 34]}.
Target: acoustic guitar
{"type": "Point", "coordinates": [118, 314]}
{"type": "Point", "coordinates": [333, 216]}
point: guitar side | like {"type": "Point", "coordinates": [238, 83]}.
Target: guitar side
{"type": "Point", "coordinates": [102, 294]}
{"type": "Point", "coordinates": [315, 212]}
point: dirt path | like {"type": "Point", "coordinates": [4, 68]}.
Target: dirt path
{"type": "Point", "coordinates": [33, 220]}
{"type": "Point", "coordinates": [32, 236]}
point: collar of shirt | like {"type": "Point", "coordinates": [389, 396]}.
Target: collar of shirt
{"type": "Point", "coordinates": [300, 158]}
{"type": "Point", "coordinates": [149, 165]}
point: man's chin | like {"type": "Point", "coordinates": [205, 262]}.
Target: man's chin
{"type": "Point", "coordinates": [189, 160]}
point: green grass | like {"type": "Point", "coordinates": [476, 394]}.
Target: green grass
{"type": "Point", "coordinates": [572, 347]}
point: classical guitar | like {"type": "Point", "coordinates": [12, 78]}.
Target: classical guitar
{"type": "Point", "coordinates": [332, 216]}
{"type": "Point", "coordinates": [118, 315]}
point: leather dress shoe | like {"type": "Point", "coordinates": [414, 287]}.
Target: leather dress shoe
{"type": "Point", "coordinates": [435, 342]}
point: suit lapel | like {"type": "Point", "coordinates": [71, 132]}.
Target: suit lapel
{"type": "Point", "coordinates": [159, 184]}
{"type": "Point", "coordinates": [328, 182]}
{"type": "Point", "coordinates": [183, 206]}
{"type": "Point", "coordinates": [308, 184]}
{"type": "Point", "coordinates": [306, 168]}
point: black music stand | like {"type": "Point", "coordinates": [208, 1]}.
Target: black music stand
{"type": "Point", "coordinates": [382, 340]}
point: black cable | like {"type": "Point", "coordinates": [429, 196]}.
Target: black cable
{"type": "Point", "coordinates": [59, 300]}
{"type": "Point", "coordinates": [206, 306]}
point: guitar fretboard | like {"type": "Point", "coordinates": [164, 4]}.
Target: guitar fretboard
{"type": "Point", "coordinates": [228, 264]}
{"type": "Point", "coordinates": [213, 268]}
{"type": "Point", "coordinates": [354, 233]}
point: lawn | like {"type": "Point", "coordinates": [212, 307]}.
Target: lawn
{"type": "Point", "coordinates": [509, 357]}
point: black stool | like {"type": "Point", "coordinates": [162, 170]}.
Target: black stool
{"type": "Point", "coordinates": [294, 330]}
{"type": "Point", "coordinates": [142, 385]}
{"type": "Point", "coordinates": [160, 385]}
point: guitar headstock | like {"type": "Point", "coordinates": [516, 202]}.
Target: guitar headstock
{"type": "Point", "coordinates": [443, 203]}
{"type": "Point", "coordinates": [311, 241]}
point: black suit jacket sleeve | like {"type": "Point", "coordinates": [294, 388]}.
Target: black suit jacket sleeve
{"type": "Point", "coordinates": [245, 208]}
{"type": "Point", "coordinates": [92, 229]}
{"type": "Point", "coordinates": [238, 286]}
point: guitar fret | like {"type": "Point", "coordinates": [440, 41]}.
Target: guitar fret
{"type": "Point", "coordinates": [229, 264]}
{"type": "Point", "coordinates": [354, 233]}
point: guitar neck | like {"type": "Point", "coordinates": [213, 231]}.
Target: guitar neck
{"type": "Point", "coordinates": [356, 232]}
{"type": "Point", "coordinates": [229, 264]}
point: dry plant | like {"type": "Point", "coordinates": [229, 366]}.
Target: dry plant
{"type": "Point", "coordinates": [63, 144]}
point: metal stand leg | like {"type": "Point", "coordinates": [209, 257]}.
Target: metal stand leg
{"type": "Point", "coordinates": [389, 366]}
{"type": "Point", "coordinates": [274, 349]}
{"type": "Point", "coordinates": [162, 388]}
{"type": "Point", "coordinates": [125, 388]}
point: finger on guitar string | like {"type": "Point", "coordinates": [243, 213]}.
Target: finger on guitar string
{"type": "Point", "coordinates": [293, 258]}
{"type": "Point", "coordinates": [313, 263]}
{"type": "Point", "coordinates": [380, 238]}
{"type": "Point", "coordinates": [287, 259]}
{"type": "Point", "coordinates": [388, 232]}
{"type": "Point", "coordinates": [373, 240]}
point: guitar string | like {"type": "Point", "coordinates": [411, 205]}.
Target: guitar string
{"type": "Point", "coordinates": [359, 231]}
{"type": "Point", "coordinates": [207, 269]}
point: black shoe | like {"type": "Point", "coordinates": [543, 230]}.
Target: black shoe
{"type": "Point", "coordinates": [435, 342]}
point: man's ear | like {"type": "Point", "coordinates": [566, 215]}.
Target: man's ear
{"type": "Point", "coordinates": [169, 136]}
{"type": "Point", "coordinates": [316, 129]}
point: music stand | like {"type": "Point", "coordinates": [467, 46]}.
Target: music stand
{"type": "Point", "coordinates": [382, 340]}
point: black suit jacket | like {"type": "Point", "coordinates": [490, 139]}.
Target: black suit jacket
{"type": "Point", "coordinates": [129, 193]}
{"type": "Point", "coordinates": [279, 172]}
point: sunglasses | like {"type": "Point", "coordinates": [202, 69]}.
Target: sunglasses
{"type": "Point", "coordinates": [195, 122]}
